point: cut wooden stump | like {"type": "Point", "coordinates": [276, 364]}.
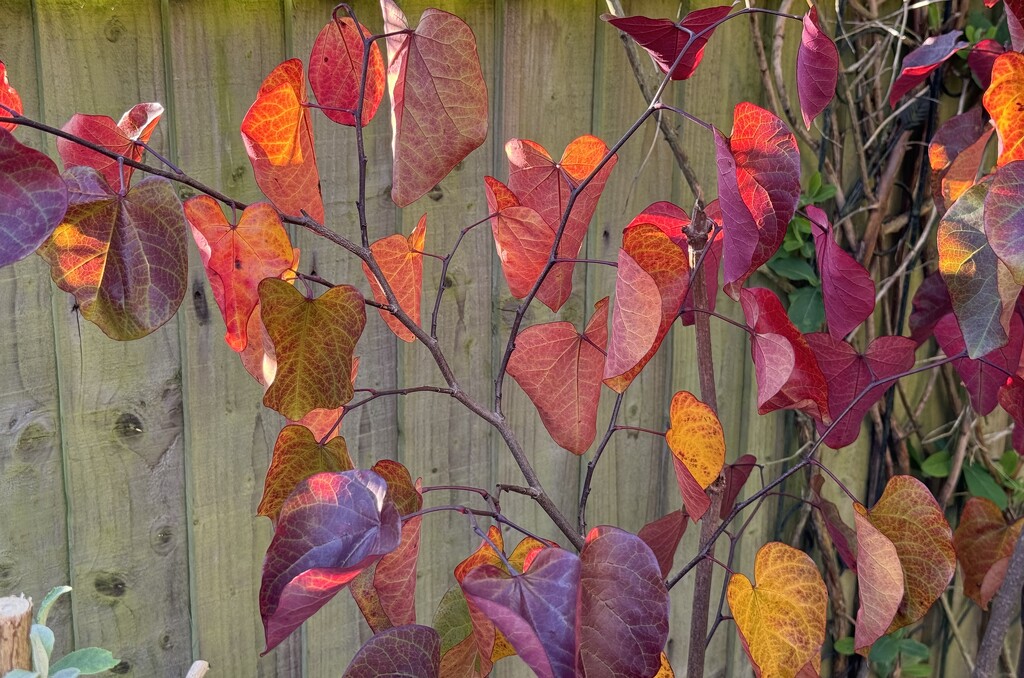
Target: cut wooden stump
{"type": "Point", "coordinates": [15, 625]}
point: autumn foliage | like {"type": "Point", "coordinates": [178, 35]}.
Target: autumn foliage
{"type": "Point", "coordinates": [113, 232]}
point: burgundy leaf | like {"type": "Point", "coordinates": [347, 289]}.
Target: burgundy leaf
{"type": "Point", "coordinates": [844, 538]}
{"type": "Point", "coordinates": [817, 68]}
{"type": "Point", "coordinates": [1011, 399]}
{"type": "Point", "coordinates": [331, 527]}
{"type": "Point", "coordinates": [623, 610]}
{"type": "Point", "coordinates": [736, 475]}
{"type": "Point", "coordinates": [923, 60]}
{"type": "Point", "coordinates": [410, 650]}
{"type": "Point", "coordinates": [664, 40]}
{"type": "Point", "coordinates": [981, 58]}
{"type": "Point", "coordinates": [931, 304]}
{"type": "Point", "coordinates": [846, 286]}
{"type": "Point", "coordinates": [982, 379]}
{"type": "Point", "coordinates": [848, 373]}
{"type": "Point", "coordinates": [663, 536]}
{"type": "Point", "coordinates": [33, 198]}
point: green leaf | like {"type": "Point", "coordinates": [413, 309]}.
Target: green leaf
{"type": "Point", "coordinates": [936, 465]}
{"type": "Point", "coordinates": [912, 648]}
{"type": "Point", "coordinates": [884, 650]}
{"type": "Point", "coordinates": [40, 657]}
{"type": "Point", "coordinates": [1008, 462]}
{"type": "Point", "coordinates": [844, 646]}
{"type": "Point", "coordinates": [826, 192]}
{"type": "Point", "coordinates": [920, 670]}
{"type": "Point", "coordinates": [45, 635]}
{"type": "Point", "coordinates": [44, 607]}
{"type": "Point", "coordinates": [814, 183]}
{"type": "Point", "coordinates": [981, 484]}
{"type": "Point", "coordinates": [794, 269]}
{"type": "Point", "coordinates": [806, 308]}
{"type": "Point", "coordinates": [88, 660]}
{"type": "Point", "coordinates": [67, 673]}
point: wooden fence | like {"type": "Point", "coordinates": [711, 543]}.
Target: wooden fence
{"type": "Point", "coordinates": [132, 470]}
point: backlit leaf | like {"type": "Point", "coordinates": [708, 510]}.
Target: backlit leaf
{"type": "Point", "coordinates": [544, 186]}
{"type": "Point", "coordinates": [460, 656]}
{"type": "Point", "coordinates": [817, 68]}
{"type": "Point", "coordinates": [788, 375]}
{"type": "Point", "coordinates": [951, 141]}
{"type": "Point", "coordinates": [33, 197]}
{"type": "Point", "coordinates": [623, 611]}
{"type": "Point", "coordinates": [8, 97]}
{"type": "Point", "coordinates": [849, 372]}
{"type": "Point", "coordinates": [846, 287]}
{"type": "Point", "coordinates": [736, 475]}
{"type": "Point", "coordinates": [664, 40]}
{"type": "Point", "coordinates": [648, 257]}
{"type": "Point", "coordinates": [297, 456]}
{"type": "Point", "coordinates": [122, 256]}
{"type": "Point", "coordinates": [438, 98]}
{"type": "Point", "coordinates": [782, 619]}
{"type": "Point", "coordinates": [521, 236]}
{"type": "Point", "coordinates": [909, 516]}
{"type": "Point", "coordinates": [560, 370]}
{"type": "Point", "coordinates": [1004, 221]}
{"type": "Point", "coordinates": [278, 135]}
{"type": "Point", "coordinates": [1004, 101]}
{"type": "Point", "coordinates": [758, 190]}
{"type": "Point", "coordinates": [982, 58]}
{"type": "Point", "coordinates": [331, 527]}
{"type": "Point", "coordinates": [409, 650]}
{"type": "Point", "coordinates": [983, 538]}
{"type": "Point", "coordinates": [663, 536]}
{"type": "Point", "coordinates": [401, 263]}
{"type": "Point", "coordinates": [919, 63]}
{"type": "Point", "coordinates": [698, 448]}
{"type": "Point", "coordinates": [313, 342]}
{"type": "Point", "coordinates": [981, 379]}
{"type": "Point", "coordinates": [879, 582]}
{"type": "Point", "coordinates": [237, 257]}
{"type": "Point", "coordinates": [136, 125]}
{"type": "Point", "coordinates": [335, 70]}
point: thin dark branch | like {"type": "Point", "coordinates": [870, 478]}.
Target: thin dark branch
{"type": "Point", "coordinates": [581, 513]}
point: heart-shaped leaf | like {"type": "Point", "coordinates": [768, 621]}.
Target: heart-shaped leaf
{"type": "Point", "coordinates": [698, 449]}
{"type": "Point", "coordinates": [846, 286]}
{"type": "Point", "coordinates": [560, 370]}
{"type": "Point", "coordinates": [278, 135]}
{"type": "Point", "coordinates": [136, 125]}
{"type": "Point", "coordinates": [982, 378]}
{"type": "Point", "coordinates": [401, 262]}
{"type": "Point", "coordinates": [331, 527]}
{"type": "Point", "coordinates": [879, 582]}
{"type": "Point", "coordinates": [1004, 100]}
{"type": "Point", "coordinates": [663, 536]}
{"type": "Point", "coordinates": [982, 539]}
{"type": "Point", "coordinates": [782, 619]}
{"type": "Point", "coordinates": [919, 63]}
{"type": "Point", "coordinates": [438, 98]}
{"type": "Point", "coordinates": [297, 456]}
{"type": "Point", "coordinates": [237, 257]}
{"type": "Point", "coordinates": [523, 239]}
{"type": "Point", "coordinates": [313, 342]}
{"type": "Point", "coordinates": [544, 186]}
{"type": "Point", "coordinates": [409, 650]}
{"type": "Point", "coordinates": [122, 256]}
{"type": "Point", "coordinates": [33, 198]}
{"type": "Point", "coordinates": [758, 190]}
{"type": "Point", "coordinates": [8, 97]}
{"type": "Point", "coordinates": [817, 68]}
{"type": "Point", "coordinates": [335, 72]}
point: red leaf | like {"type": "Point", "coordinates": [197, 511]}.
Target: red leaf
{"type": "Point", "coordinates": [410, 650]}
{"type": "Point", "coordinates": [982, 57]}
{"type": "Point", "coordinates": [438, 98]}
{"type": "Point", "coordinates": [758, 190]}
{"type": "Point", "coordinates": [335, 71]}
{"type": "Point", "coordinates": [237, 257]}
{"type": "Point", "coordinates": [879, 582]}
{"type": "Point", "coordinates": [135, 125]}
{"type": "Point", "coordinates": [664, 40]}
{"type": "Point", "coordinates": [788, 375]}
{"type": "Point", "coordinates": [331, 527]}
{"type": "Point", "coordinates": [982, 539]}
{"type": "Point", "coordinates": [401, 263]}
{"type": "Point", "coordinates": [544, 186]}
{"type": "Point", "coordinates": [278, 136]}
{"type": "Point", "coordinates": [931, 304]}
{"type": "Point", "coordinates": [560, 370]}
{"type": "Point", "coordinates": [123, 256]}
{"type": "Point", "coordinates": [623, 608]}
{"type": "Point", "coordinates": [33, 197]}
{"type": "Point", "coordinates": [736, 475]}
{"type": "Point", "coordinates": [663, 536]}
{"type": "Point", "coordinates": [848, 373]}
{"type": "Point", "coordinates": [1004, 101]}
{"type": "Point", "coordinates": [932, 53]}
{"type": "Point", "coordinates": [297, 456]}
{"type": "Point", "coordinates": [846, 286]}
{"type": "Point", "coordinates": [981, 379]}
{"type": "Point", "coordinates": [9, 98]}
{"type": "Point", "coordinates": [817, 68]}
{"type": "Point", "coordinates": [523, 239]}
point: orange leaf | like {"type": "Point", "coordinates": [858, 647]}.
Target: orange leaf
{"type": "Point", "coordinates": [313, 341]}
{"type": "Point", "coordinates": [278, 136]}
{"type": "Point", "coordinates": [335, 71]}
{"type": "Point", "coordinates": [560, 370]}
{"type": "Point", "coordinates": [1004, 101]}
{"type": "Point", "coordinates": [698, 448]}
{"type": "Point", "coordinates": [982, 539]}
{"type": "Point", "coordinates": [237, 257]}
{"type": "Point", "coordinates": [879, 580]}
{"type": "Point", "coordinates": [401, 263]}
{"type": "Point", "coordinates": [8, 97]}
{"type": "Point", "coordinates": [782, 619]}
{"type": "Point", "coordinates": [521, 236]}
{"type": "Point", "coordinates": [666, 669]}
{"type": "Point", "coordinates": [438, 98]}
{"type": "Point", "coordinates": [135, 125]}
{"type": "Point", "coordinates": [297, 456]}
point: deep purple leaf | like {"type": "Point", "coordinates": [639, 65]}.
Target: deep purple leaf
{"type": "Point", "coordinates": [923, 60]}
{"type": "Point", "coordinates": [981, 58]}
{"type": "Point", "coordinates": [817, 68]}
{"type": "Point", "coordinates": [33, 198]}
{"type": "Point", "coordinates": [410, 650]}
{"type": "Point", "coordinates": [982, 379]}
{"type": "Point", "coordinates": [931, 304]}
{"type": "Point", "coordinates": [846, 286]}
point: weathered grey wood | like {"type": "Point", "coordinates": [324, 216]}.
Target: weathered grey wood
{"type": "Point", "coordinates": [120, 403]}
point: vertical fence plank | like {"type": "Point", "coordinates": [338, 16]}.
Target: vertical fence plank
{"type": "Point", "coordinates": [120, 402]}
